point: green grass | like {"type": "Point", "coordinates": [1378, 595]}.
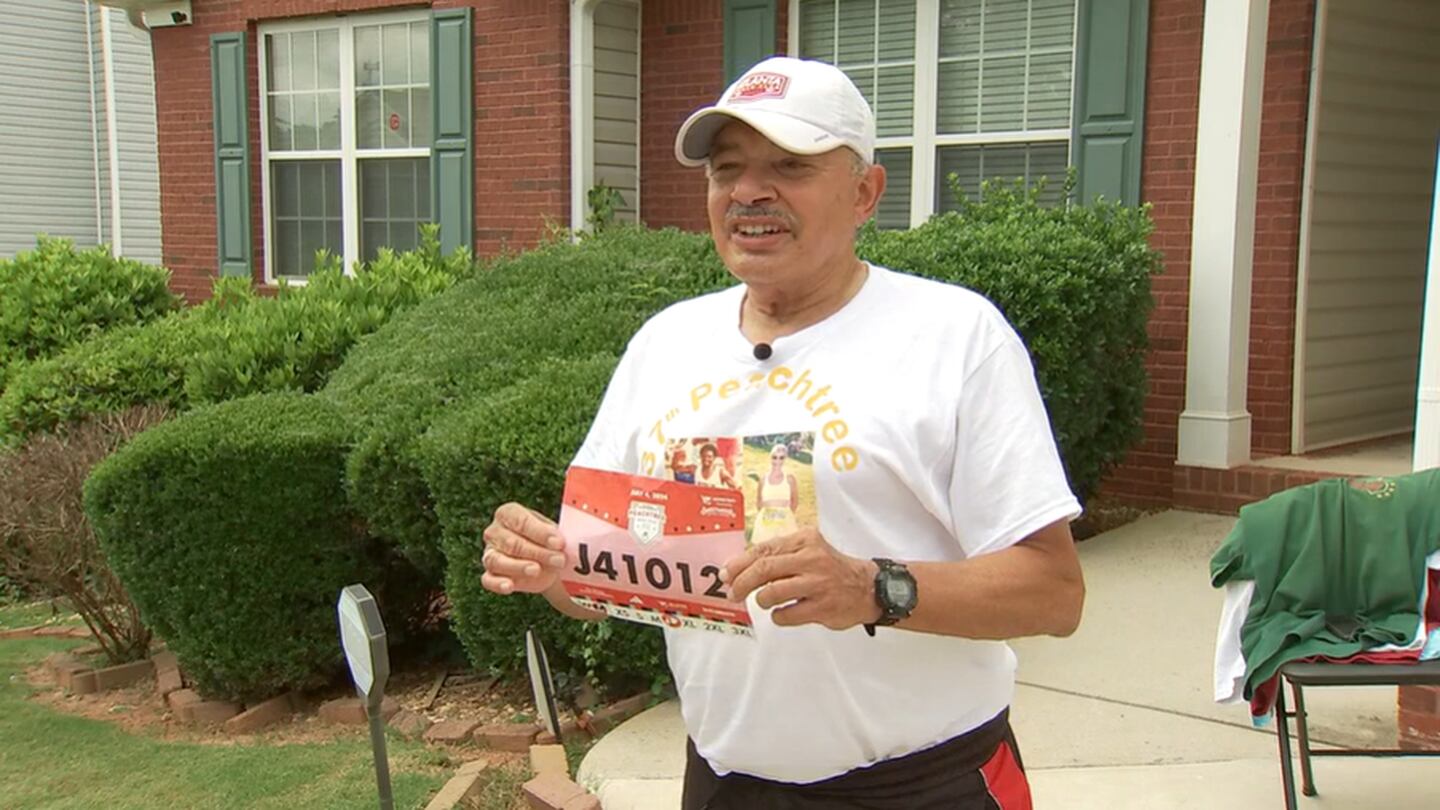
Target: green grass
{"type": "Point", "coordinates": [25, 615]}
{"type": "Point", "coordinates": [52, 760]}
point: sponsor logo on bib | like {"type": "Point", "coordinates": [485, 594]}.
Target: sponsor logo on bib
{"type": "Point", "coordinates": [646, 521]}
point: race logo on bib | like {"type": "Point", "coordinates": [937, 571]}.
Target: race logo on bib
{"type": "Point", "coordinates": [647, 520]}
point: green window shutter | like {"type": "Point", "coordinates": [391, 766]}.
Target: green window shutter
{"type": "Point", "coordinates": [232, 153]}
{"type": "Point", "coordinates": [452, 195]}
{"type": "Point", "coordinates": [1110, 98]}
{"type": "Point", "coordinates": [749, 34]}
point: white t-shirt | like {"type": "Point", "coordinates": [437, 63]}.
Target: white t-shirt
{"type": "Point", "coordinates": [931, 443]}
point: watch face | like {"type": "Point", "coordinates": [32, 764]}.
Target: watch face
{"type": "Point", "coordinates": [900, 591]}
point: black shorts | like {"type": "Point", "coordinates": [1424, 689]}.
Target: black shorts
{"type": "Point", "coordinates": [979, 770]}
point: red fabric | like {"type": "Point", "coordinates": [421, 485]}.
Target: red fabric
{"type": "Point", "coordinates": [1005, 781]}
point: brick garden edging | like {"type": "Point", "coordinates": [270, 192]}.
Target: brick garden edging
{"type": "Point", "coordinates": [551, 788]}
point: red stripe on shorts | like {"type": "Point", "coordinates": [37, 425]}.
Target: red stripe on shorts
{"type": "Point", "coordinates": [1005, 781]}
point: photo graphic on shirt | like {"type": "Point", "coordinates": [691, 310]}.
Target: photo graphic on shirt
{"type": "Point", "coordinates": [777, 472]}
{"type": "Point", "coordinates": [706, 461]}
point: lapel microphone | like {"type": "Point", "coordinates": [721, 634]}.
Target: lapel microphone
{"type": "Point", "coordinates": [763, 351]}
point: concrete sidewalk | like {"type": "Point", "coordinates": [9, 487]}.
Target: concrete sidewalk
{"type": "Point", "coordinates": [1120, 715]}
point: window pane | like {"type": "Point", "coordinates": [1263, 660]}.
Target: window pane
{"type": "Point", "coordinates": [959, 28]}
{"type": "Point", "coordinates": [1052, 24]}
{"type": "Point", "coordinates": [285, 190]}
{"type": "Point", "coordinates": [1002, 94]}
{"type": "Point", "coordinates": [281, 124]}
{"type": "Point", "coordinates": [329, 58]}
{"type": "Point", "coordinates": [329, 120]}
{"type": "Point", "coordinates": [1049, 92]}
{"type": "Point", "coordinates": [817, 29]}
{"type": "Point", "coordinates": [367, 56]}
{"type": "Point", "coordinates": [394, 200]}
{"type": "Point", "coordinates": [894, 209]}
{"type": "Point", "coordinates": [306, 210]}
{"type": "Point", "coordinates": [1024, 80]}
{"type": "Point", "coordinates": [1005, 162]}
{"type": "Point", "coordinates": [857, 32]}
{"type": "Point", "coordinates": [957, 111]}
{"type": "Point", "coordinates": [1005, 26]}
{"type": "Point", "coordinates": [420, 53]}
{"type": "Point", "coordinates": [307, 122]}
{"type": "Point", "coordinates": [895, 95]}
{"type": "Point", "coordinates": [303, 50]}
{"type": "Point", "coordinates": [897, 30]}
{"type": "Point", "coordinates": [420, 117]}
{"type": "Point", "coordinates": [367, 119]}
{"type": "Point", "coordinates": [277, 49]}
{"type": "Point", "coordinates": [395, 61]}
{"type": "Point", "coordinates": [397, 118]}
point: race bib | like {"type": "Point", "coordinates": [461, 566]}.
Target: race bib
{"type": "Point", "coordinates": [649, 550]}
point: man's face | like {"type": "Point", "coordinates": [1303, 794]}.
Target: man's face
{"type": "Point", "coordinates": [779, 218]}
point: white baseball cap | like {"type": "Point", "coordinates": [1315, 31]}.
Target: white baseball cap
{"type": "Point", "coordinates": [800, 105]}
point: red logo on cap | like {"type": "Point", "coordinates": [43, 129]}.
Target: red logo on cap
{"type": "Point", "coordinates": [758, 86]}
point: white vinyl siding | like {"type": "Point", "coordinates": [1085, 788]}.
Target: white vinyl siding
{"type": "Point", "coordinates": [617, 103]}
{"type": "Point", "coordinates": [51, 139]}
{"type": "Point", "coordinates": [1378, 114]}
{"type": "Point", "coordinates": [136, 139]}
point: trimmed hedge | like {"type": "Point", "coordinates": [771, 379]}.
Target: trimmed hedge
{"type": "Point", "coordinates": [1075, 283]}
{"type": "Point", "coordinates": [560, 300]}
{"type": "Point", "coordinates": [55, 296]}
{"type": "Point", "coordinates": [230, 528]}
{"type": "Point", "coordinates": [515, 444]}
{"type": "Point", "coordinates": [236, 344]}
{"type": "Point", "coordinates": [482, 395]}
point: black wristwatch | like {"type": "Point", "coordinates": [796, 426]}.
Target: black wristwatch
{"type": "Point", "coordinates": [895, 593]}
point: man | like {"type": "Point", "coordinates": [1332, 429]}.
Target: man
{"type": "Point", "coordinates": [943, 507]}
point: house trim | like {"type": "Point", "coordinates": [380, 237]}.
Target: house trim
{"type": "Point", "coordinates": [1215, 427]}
{"type": "Point", "coordinates": [1307, 201]}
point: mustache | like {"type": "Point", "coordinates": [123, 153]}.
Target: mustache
{"type": "Point", "coordinates": [738, 210]}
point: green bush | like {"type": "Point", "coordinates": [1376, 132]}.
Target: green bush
{"type": "Point", "coordinates": [297, 339]}
{"type": "Point", "coordinates": [1075, 283]}
{"type": "Point", "coordinates": [561, 300]}
{"type": "Point", "coordinates": [230, 529]}
{"type": "Point", "coordinates": [516, 444]}
{"type": "Point", "coordinates": [237, 343]}
{"type": "Point", "coordinates": [55, 296]}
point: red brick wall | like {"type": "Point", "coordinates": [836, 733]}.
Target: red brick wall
{"type": "Point", "coordinates": [521, 123]}
{"type": "Point", "coordinates": [682, 66]}
{"type": "Point", "coordinates": [1277, 224]}
{"type": "Point", "coordinates": [1167, 182]}
{"type": "Point", "coordinates": [1172, 92]}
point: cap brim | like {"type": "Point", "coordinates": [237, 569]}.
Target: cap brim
{"type": "Point", "coordinates": [692, 143]}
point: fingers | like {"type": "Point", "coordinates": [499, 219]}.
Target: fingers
{"type": "Point", "coordinates": [767, 568]}
{"type": "Point", "coordinates": [542, 549]}
{"type": "Point", "coordinates": [785, 590]}
{"type": "Point", "coordinates": [770, 548]}
{"type": "Point", "coordinates": [529, 524]}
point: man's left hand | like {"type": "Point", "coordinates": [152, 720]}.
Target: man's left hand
{"type": "Point", "coordinates": [823, 586]}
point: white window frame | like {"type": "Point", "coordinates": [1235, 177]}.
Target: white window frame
{"type": "Point", "coordinates": [348, 155]}
{"type": "Point", "coordinates": [923, 142]}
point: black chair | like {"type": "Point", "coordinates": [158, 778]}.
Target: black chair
{"type": "Point", "coordinates": [1301, 675]}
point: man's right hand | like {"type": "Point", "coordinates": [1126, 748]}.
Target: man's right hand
{"type": "Point", "coordinates": [524, 552]}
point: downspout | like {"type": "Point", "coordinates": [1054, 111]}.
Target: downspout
{"type": "Point", "coordinates": [1427, 406]}
{"type": "Point", "coordinates": [582, 109]}
{"type": "Point", "coordinates": [116, 245]}
{"type": "Point", "coordinates": [94, 123]}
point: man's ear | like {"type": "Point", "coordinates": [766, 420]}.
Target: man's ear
{"type": "Point", "coordinates": [871, 189]}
